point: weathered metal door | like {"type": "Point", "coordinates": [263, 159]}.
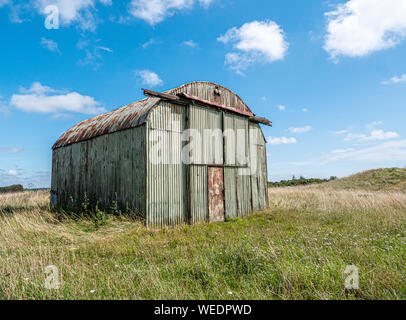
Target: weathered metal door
{"type": "Point", "coordinates": [216, 194]}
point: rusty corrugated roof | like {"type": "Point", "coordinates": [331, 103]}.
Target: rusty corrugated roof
{"type": "Point", "coordinates": [129, 116]}
{"type": "Point", "coordinates": [207, 91]}
{"type": "Point", "coordinates": [135, 114]}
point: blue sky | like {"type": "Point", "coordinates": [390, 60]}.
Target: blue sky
{"type": "Point", "coordinates": [331, 75]}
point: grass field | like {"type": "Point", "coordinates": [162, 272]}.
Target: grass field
{"type": "Point", "coordinates": [298, 249]}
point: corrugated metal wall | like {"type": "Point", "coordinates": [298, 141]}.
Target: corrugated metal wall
{"type": "Point", "coordinates": [101, 167]}
{"type": "Point", "coordinates": [258, 168]}
{"type": "Point", "coordinates": [244, 196]}
{"type": "Point", "coordinates": [237, 154]}
{"type": "Point", "coordinates": [198, 194]}
{"type": "Point", "coordinates": [166, 182]}
{"type": "Point", "coordinates": [236, 140]}
{"type": "Point", "coordinates": [158, 184]}
{"type": "Point", "coordinates": [168, 189]}
{"type": "Point", "coordinates": [208, 124]}
{"type": "Point", "coordinates": [230, 190]}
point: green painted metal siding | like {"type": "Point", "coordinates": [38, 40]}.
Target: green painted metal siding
{"type": "Point", "coordinates": [258, 166]}
{"type": "Point", "coordinates": [198, 194]}
{"type": "Point", "coordinates": [101, 167]}
{"type": "Point", "coordinates": [236, 140]}
{"type": "Point", "coordinates": [243, 193]}
{"type": "Point", "coordinates": [263, 179]}
{"type": "Point", "coordinates": [207, 123]}
{"type": "Point", "coordinates": [238, 194]}
{"type": "Point", "coordinates": [158, 185]}
{"type": "Point", "coordinates": [230, 190]}
{"type": "Point", "coordinates": [166, 173]}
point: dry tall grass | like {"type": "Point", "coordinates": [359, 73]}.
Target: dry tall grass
{"type": "Point", "coordinates": [328, 200]}
{"type": "Point", "coordinates": [298, 249]}
{"type": "Point", "coordinates": [31, 238]}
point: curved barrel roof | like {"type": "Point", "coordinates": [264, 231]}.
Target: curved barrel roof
{"type": "Point", "coordinates": [135, 114]}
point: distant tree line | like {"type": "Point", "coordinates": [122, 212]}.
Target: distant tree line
{"type": "Point", "coordinates": [13, 188]}
{"type": "Point", "coordinates": [298, 182]}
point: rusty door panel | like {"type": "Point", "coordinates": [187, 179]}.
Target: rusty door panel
{"type": "Point", "coordinates": [216, 194]}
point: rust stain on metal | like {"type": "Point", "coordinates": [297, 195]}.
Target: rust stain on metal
{"type": "Point", "coordinates": [210, 92]}
{"type": "Point", "coordinates": [217, 95]}
{"type": "Point", "coordinates": [216, 194]}
{"type": "Point", "coordinates": [183, 98]}
{"type": "Point", "coordinates": [215, 104]}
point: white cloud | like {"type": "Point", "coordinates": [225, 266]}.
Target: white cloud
{"type": "Point", "coordinates": [340, 151]}
{"type": "Point", "coordinates": [281, 107]}
{"type": "Point", "coordinates": [11, 150]}
{"type": "Point", "coordinates": [374, 135]}
{"type": "Point", "coordinates": [281, 140]}
{"type": "Point", "coordinates": [340, 132]}
{"type": "Point", "coordinates": [396, 79]}
{"type": "Point", "coordinates": [359, 27]}
{"type": "Point", "coordinates": [17, 10]}
{"type": "Point", "coordinates": [38, 88]}
{"type": "Point", "coordinates": [190, 43]}
{"type": "Point", "coordinates": [29, 179]}
{"type": "Point", "coordinates": [374, 124]}
{"type": "Point", "coordinates": [149, 78]}
{"type": "Point", "coordinates": [150, 43]}
{"type": "Point", "coordinates": [155, 11]}
{"type": "Point", "coordinates": [105, 49]}
{"type": "Point", "coordinates": [50, 45]}
{"type": "Point", "coordinates": [383, 154]}
{"type": "Point", "coordinates": [380, 135]}
{"type": "Point", "coordinates": [73, 11]}
{"type": "Point", "coordinates": [61, 116]}
{"type": "Point", "coordinates": [255, 42]}
{"type": "Point", "coordinates": [305, 110]}
{"type": "Point", "coordinates": [354, 136]}
{"type": "Point", "coordinates": [92, 58]}
{"type": "Point", "coordinates": [206, 3]}
{"type": "Point", "coordinates": [38, 99]}
{"type": "Point", "coordinates": [79, 12]}
{"type": "Point", "coordinates": [300, 130]}
{"type": "Point", "coordinates": [93, 52]}
{"type": "Point", "coordinates": [388, 151]}
{"type": "Point", "coordinates": [12, 172]}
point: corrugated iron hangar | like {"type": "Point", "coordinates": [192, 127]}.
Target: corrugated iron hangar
{"type": "Point", "coordinates": [195, 153]}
